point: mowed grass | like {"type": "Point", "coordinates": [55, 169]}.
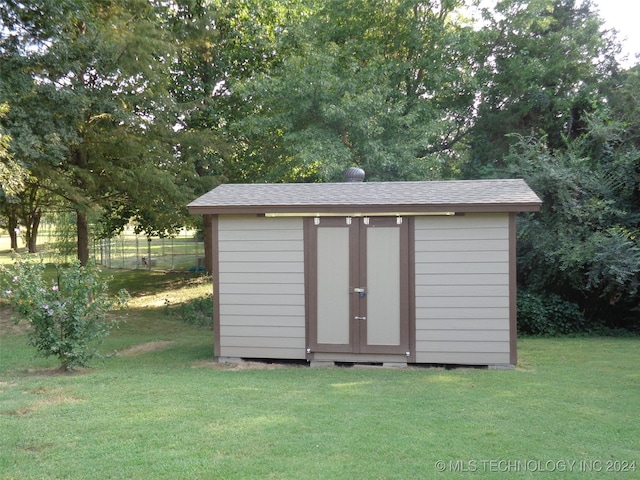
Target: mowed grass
{"type": "Point", "coordinates": [160, 408]}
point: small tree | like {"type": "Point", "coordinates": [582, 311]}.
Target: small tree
{"type": "Point", "coordinates": [66, 313]}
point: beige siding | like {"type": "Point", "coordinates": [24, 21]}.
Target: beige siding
{"type": "Point", "coordinates": [462, 289]}
{"type": "Point", "coordinates": [261, 264]}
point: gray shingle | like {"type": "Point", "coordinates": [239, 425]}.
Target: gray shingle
{"type": "Point", "coordinates": [460, 195]}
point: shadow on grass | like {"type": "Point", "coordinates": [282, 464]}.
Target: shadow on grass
{"type": "Point", "coordinates": [144, 282]}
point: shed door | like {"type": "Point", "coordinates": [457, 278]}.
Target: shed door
{"type": "Point", "coordinates": [358, 285]}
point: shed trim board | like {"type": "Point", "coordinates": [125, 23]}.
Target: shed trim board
{"type": "Point", "coordinates": [215, 275]}
{"type": "Point", "coordinates": [290, 273]}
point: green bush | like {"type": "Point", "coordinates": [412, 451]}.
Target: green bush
{"type": "Point", "coordinates": [66, 314]}
{"type": "Point", "coordinates": [548, 315]}
{"type": "Point", "coordinates": [197, 311]}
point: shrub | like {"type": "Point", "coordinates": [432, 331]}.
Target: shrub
{"type": "Point", "coordinates": [66, 314]}
{"type": "Point", "coordinates": [197, 311]}
{"type": "Point", "coordinates": [548, 315]}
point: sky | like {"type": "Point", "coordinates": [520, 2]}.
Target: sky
{"type": "Point", "coordinates": [623, 16]}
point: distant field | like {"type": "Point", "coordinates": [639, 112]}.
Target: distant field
{"type": "Point", "coordinates": [5, 243]}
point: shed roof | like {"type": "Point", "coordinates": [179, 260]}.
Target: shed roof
{"type": "Point", "coordinates": [504, 195]}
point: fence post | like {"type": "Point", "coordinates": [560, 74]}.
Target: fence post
{"type": "Point", "coordinates": [149, 253]}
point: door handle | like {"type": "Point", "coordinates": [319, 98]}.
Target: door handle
{"type": "Point", "coordinates": [360, 290]}
{"type": "Point", "coordinates": [360, 318]}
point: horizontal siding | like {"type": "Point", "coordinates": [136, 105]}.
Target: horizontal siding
{"type": "Point", "coordinates": [466, 301]}
{"type": "Point", "coordinates": [261, 342]}
{"type": "Point", "coordinates": [477, 222]}
{"type": "Point", "coordinates": [264, 247]}
{"type": "Point", "coordinates": [462, 318]}
{"type": "Point", "coordinates": [467, 268]}
{"type": "Point", "coordinates": [443, 346]}
{"type": "Point", "coordinates": [463, 358]}
{"type": "Point", "coordinates": [459, 335]}
{"type": "Point", "coordinates": [474, 245]}
{"type": "Point", "coordinates": [462, 289]}
{"type": "Point", "coordinates": [470, 256]}
{"type": "Point", "coordinates": [262, 352]}
{"type": "Point", "coordinates": [266, 331]}
{"type": "Point", "coordinates": [260, 267]}
{"type": "Point", "coordinates": [253, 321]}
{"type": "Point", "coordinates": [258, 310]}
{"type": "Point", "coordinates": [466, 289]}
{"type": "Point", "coordinates": [233, 223]}
{"type": "Point", "coordinates": [457, 232]}
{"type": "Point", "coordinates": [248, 278]}
{"type": "Point", "coordinates": [259, 256]}
{"type": "Point", "coordinates": [278, 299]}
{"type": "Point", "coordinates": [265, 235]}
{"type": "Point", "coordinates": [453, 279]}
{"type": "Point", "coordinates": [261, 291]}
{"type": "Point", "coordinates": [260, 288]}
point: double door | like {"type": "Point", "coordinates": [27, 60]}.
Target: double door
{"type": "Point", "coordinates": [358, 285]}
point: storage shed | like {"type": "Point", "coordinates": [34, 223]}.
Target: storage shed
{"type": "Point", "coordinates": [369, 272]}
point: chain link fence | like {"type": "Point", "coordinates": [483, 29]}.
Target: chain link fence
{"type": "Point", "coordinates": [132, 251]}
{"type": "Point", "coordinates": [129, 251]}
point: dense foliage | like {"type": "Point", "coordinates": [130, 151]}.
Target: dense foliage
{"type": "Point", "coordinates": [548, 315]}
{"type": "Point", "coordinates": [583, 245]}
{"type": "Point", "coordinates": [125, 110]}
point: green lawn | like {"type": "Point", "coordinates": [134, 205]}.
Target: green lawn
{"type": "Point", "coordinates": [161, 409]}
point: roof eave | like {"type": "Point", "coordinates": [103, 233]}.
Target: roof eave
{"type": "Point", "coordinates": [351, 209]}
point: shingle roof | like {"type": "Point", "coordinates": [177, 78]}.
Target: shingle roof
{"type": "Point", "coordinates": [506, 195]}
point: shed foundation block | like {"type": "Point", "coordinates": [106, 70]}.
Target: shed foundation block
{"type": "Point", "coordinates": [321, 363]}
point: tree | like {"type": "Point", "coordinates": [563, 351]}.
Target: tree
{"type": "Point", "coordinates": [544, 62]}
{"type": "Point", "coordinates": [9, 183]}
{"type": "Point", "coordinates": [11, 175]}
{"type": "Point", "coordinates": [221, 44]}
{"type": "Point", "coordinates": [583, 245]}
{"type": "Point", "coordinates": [347, 92]}
{"type": "Point", "coordinates": [86, 82]}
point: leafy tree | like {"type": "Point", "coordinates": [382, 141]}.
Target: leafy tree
{"type": "Point", "coordinates": [11, 175]}
{"type": "Point", "coordinates": [89, 117]}
{"type": "Point", "coordinates": [220, 44]}
{"type": "Point", "coordinates": [544, 62]}
{"type": "Point", "coordinates": [11, 182]}
{"type": "Point", "coordinates": [346, 91]}
{"type": "Point", "coordinates": [583, 245]}
{"type": "Point", "coordinates": [622, 91]}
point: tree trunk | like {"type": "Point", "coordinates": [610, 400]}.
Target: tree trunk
{"type": "Point", "coordinates": [13, 232]}
{"type": "Point", "coordinates": [83, 236]}
{"type": "Point", "coordinates": [32, 232]}
{"type": "Point", "coordinates": [13, 236]}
